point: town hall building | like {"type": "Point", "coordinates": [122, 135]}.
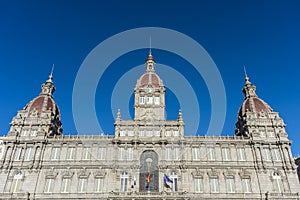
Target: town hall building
{"type": "Point", "coordinates": [148, 157]}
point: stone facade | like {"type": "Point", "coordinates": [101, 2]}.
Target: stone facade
{"type": "Point", "coordinates": [298, 169]}
{"type": "Point", "coordinates": [139, 162]}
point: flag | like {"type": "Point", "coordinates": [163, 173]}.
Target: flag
{"type": "Point", "coordinates": [166, 180]}
{"type": "Point", "coordinates": [148, 178]}
{"type": "Point", "coordinates": [133, 182]}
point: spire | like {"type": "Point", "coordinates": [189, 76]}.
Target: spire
{"type": "Point", "coordinates": [249, 88]}
{"type": "Point", "coordinates": [119, 114]}
{"type": "Point", "coordinates": [48, 87]}
{"type": "Point", "coordinates": [150, 62]}
{"type": "Point", "coordinates": [150, 49]}
{"type": "Point", "coordinates": [51, 74]}
{"type": "Point", "coordinates": [180, 119]}
{"type": "Point", "coordinates": [246, 76]}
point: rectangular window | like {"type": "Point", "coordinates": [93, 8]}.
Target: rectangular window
{"type": "Point", "coordinates": [276, 155]}
{"type": "Point", "coordinates": [65, 185]}
{"type": "Point", "coordinates": [168, 153]}
{"type": "Point", "coordinates": [142, 133]}
{"type": "Point", "coordinates": [122, 133]}
{"type": "Point", "coordinates": [18, 153]}
{"type": "Point", "coordinates": [230, 185]}
{"type": "Point", "coordinates": [33, 132]}
{"type": "Point", "coordinates": [49, 183]}
{"type": "Point", "coordinates": [123, 182]}
{"type": "Point", "coordinates": [131, 133]}
{"type": "Point", "coordinates": [55, 153]}
{"type": "Point", "coordinates": [129, 153]}
{"type": "Point", "coordinates": [196, 153]}
{"type": "Point", "coordinates": [149, 100]}
{"type": "Point", "coordinates": [271, 133]}
{"type": "Point", "coordinates": [142, 100]}
{"type": "Point", "coordinates": [214, 185]}
{"type": "Point", "coordinates": [266, 154]}
{"type": "Point", "coordinates": [126, 154]}
{"type": "Point", "coordinates": [24, 132]}
{"type": "Point", "coordinates": [1, 151]}
{"type": "Point", "coordinates": [175, 133]}
{"type": "Point", "coordinates": [198, 184]}
{"type": "Point", "coordinates": [15, 186]}
{"type": "Point", "coordinates": [278, 185]}
{"type": "Point", "coordinates": [86, 154]}
{"type": "Point", "coordinates": [262, 133]}
{"type": "Point", "coordinates": [157, 100]}
{"type": "Point", "coordinates": [177, 153]}
{"type": "Point", "coordinates": [99, 185]}
{"type": "Point", "coordinates": [122, 153]}
{"type": "Point", "coordinates": [28, 153]}
{"type": "Point", "coordinates": [226, 154]}
{"type": "Point", "coordinates": [241, 154]}
{"type": "Point", "coordinates": [157, 133]}
{"type": "Point", "coordinates": [102, 153]}
{"type": "Point", "coordinates": [246, 185]}
{"type": "Point", "coordinates": [168, 133]}
{"type": "Point", "coordinates": [174, 178]}
{"type": "Point", "coordinates": [82, 182]}
{"type": "Point", "coordinates": [71, 153]}
{"type": "Point", "coordinates": [149, 133]}
{"type": "Point", "coordinates": [211, 153]}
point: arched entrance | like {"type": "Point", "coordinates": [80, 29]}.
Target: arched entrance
{"type": "Point", "coordinates": [149, 176]}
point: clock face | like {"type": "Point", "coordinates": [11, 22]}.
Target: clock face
{"type": "Point", "coordinates": [149, 89]}
{"type": "Point", "coordinates": [251, 91]}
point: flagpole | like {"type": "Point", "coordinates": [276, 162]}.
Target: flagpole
{"type": "Point", "coordinates": [164, 182]}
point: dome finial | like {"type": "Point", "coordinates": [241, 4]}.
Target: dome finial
{"type": "Point", "coordinates": [48, 87]}
{"type": "Point", "coordinates": [51, 74]}
{"type": "Point", "coordinates": [150, 49]}
{"type": "Point", "coordinates": [150, 62]}
{"type": "Point", "coordinates": [249, 88]}
{"type": "Point", "coordinates": [150, 57]}
{"type": "Point", "coordinates": [246, 76]}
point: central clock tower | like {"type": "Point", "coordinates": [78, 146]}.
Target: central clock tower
{"type": "Point", "coordinates": [149, 101]}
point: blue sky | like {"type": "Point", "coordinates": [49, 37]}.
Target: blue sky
{"type": "Point", "coordinates": [262, 35]}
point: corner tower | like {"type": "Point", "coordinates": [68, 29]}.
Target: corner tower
{"type": "Point", "coordinates": [149, 101]}
{"type": "Point", "coordinates": [256, 119]}
{"type": "Point", "coordinates": [40, 117]}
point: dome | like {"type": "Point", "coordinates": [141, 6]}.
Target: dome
{"type": "Point", "coordinates": [256, 105]}
{"type": "Point", "coordinates": [44, 102]}
{"type": "Point", "coordinates": [253, 103]}
{"type": "Point", "coordinates": [40, 104]}
{"type": "Point", "coordinates": [149, 79]}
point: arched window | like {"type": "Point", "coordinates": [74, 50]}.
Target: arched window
{"type": "Point", "coordinates": [124, 182]}
{"type": "Point", "coordinates": [149, 174]}
{"type": "Point", "coordinates": [174, 178]}
{"type": "Point", "coordinates": [277, 182]}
